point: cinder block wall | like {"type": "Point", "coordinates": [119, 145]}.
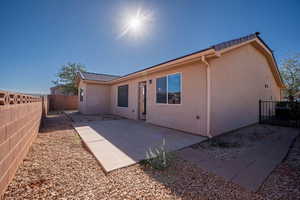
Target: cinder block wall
{"type": "Point", "coordinates": [20, 117]}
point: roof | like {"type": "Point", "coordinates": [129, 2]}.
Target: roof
{"type": "Point", "coordinates": [231, 43]}
{"type": "Point", "coordinates": [56, 86]}
{"type": "Point", "coordinates": [214, 48]}
{"type": "Point", "coordinates": [97, 77]}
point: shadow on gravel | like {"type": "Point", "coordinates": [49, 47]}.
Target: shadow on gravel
{"type": "Point", "coordinates": [188, 181]}
{"type": "Point", "coordinates": [55, 122]}
{"type": "Point", "coordinates": [58, 122]}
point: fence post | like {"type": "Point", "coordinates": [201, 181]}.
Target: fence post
{"type": "Point", "coordinates": [260, 111]}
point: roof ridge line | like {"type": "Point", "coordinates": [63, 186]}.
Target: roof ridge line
{"type": "Point", "coordinates": [102, 74]}
{"type": "Point", "coordinates": [223, 45]}
{"type": "Point", "coordinates": [219, 46]}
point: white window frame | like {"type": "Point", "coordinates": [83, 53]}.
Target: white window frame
{"type": "Point", "coordinates": [167, 102]}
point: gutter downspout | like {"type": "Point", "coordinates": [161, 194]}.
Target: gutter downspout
{"type": "Point", "coordinates": [208, 95]}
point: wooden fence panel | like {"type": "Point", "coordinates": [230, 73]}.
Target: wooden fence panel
{"type": "Point", "coordinates": [62, 102]}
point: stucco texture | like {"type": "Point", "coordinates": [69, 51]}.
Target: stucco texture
{"type": "Point", "coordinates": [96, 99]}
{"type": "Point", "coordinates": [182, 116]}
{"type": "Point", "coordinates": [238, 80]}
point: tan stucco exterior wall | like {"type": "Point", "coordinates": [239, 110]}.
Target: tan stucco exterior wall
{"type": "Point", "coordinates": [238, 81]}
{"type": "Point", "coordinates": [96, 99]}
{"type": "Point", "coordinates": [182, 117]}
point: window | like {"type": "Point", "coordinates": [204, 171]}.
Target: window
{"type": "Point", "coordinates": [123, 96]}
{"type": "Point", "coordinates": [174, 89]}
{"type": "Point", "coordinates": [81, 94]}
{"type": "Point", "coordinates": [168, 89]}
{"type": "Point", "coordinates": [161, 90]}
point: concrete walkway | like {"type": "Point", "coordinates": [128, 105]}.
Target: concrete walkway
{"type": "Point", "coordinates": [252, 167]}
{"type": "Point", "coordinates": [120, 143]}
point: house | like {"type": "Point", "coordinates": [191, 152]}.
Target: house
{"type": "Point", "coordinates": [56, 90]}
{"type": "Point", "coordinates": [208, 92]}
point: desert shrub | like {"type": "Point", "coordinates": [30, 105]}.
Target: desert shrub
{"type": "Point", "coordinates": [158, 157]}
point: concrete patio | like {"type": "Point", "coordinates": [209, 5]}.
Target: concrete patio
{"type": "Point", "coordinates": [123, 142]}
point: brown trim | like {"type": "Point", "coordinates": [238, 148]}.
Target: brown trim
{"type": "Point", "coordinates": [179, 61]}
{"type": "Point", "coordinates": [272, 53]}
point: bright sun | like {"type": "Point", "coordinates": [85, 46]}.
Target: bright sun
{"type": "Point", "coordinates": [136, 24]}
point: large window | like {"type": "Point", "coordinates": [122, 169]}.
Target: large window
{"type": "Point", "coordinates": [168, 89]}
{"type": "Point", "coordinates": [123, 96]}
{"type": "Point", "coordinates": [174, 89]}
{"type": "Point", "coordinates": [161, 90]}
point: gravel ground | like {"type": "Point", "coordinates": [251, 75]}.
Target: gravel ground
{"type": "Point", "coordinates": [58, 166]}
{"type": "Point", "coordinates": [75, 116]}
{"type": "Point", "coordinates": [237, 142]}
{"type": "Point", "coordinates": [284, 181]}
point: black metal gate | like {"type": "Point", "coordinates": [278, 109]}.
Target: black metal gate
{"type": "Point", "coordinates": [281, 113]}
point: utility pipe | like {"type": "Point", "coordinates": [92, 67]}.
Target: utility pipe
{"type": "Point", "coordinates": [208, 96]}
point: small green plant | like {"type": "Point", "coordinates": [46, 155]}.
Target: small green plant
{"type": "Point", "coordinates": [158, 157]}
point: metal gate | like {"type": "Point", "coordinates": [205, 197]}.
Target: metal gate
{"type": "Point", "coordinates": [281, 113]}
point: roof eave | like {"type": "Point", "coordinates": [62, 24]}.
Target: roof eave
{"type": "Point", "coordinates": [267, 51]}
{"type": "Point", "coordinates": [167, 65]}
{"type": "Point", "coordinates": [273, 63]}
{"type": "Point", "coordinates": [209, 53]}
{"type": "Point", "coordinates": [96, 82]}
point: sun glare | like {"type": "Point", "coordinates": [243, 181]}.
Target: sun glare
{"type": "Point", "coordinates": [136, 24]}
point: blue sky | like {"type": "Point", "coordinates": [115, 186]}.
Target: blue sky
{"type": "Point", "coordinates": [37, 37]}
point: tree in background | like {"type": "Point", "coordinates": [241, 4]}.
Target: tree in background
{"type": "Point", "coordinates": [290, 71]}
{"type": "Point", "coordinates": [66, 77]}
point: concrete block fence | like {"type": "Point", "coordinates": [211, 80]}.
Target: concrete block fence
{"type": "Point", "coordinates": [20, 117]}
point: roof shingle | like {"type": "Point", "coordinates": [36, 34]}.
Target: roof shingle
{"type": "Point", "coordinates": [230, 43]}
{"type": "Point", "coordinates": [97, 77]}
